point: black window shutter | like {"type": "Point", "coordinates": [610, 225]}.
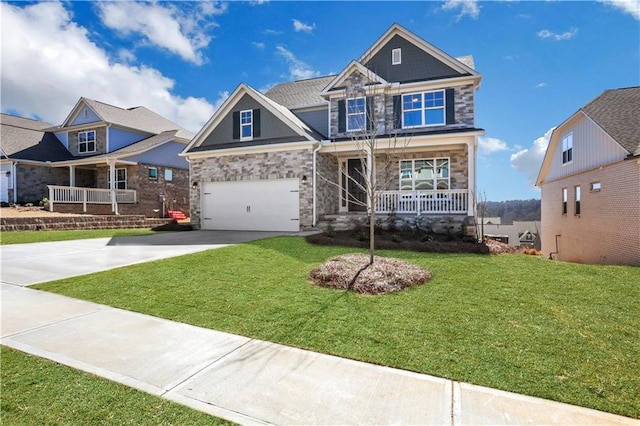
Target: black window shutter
{"type": "Point", "coordinates": [369, 113]}
{"type": "Point", "coordinates": [397, 112]}
{"type": "Point", "coordinates": [256, 123]}
{"type": "Point", "coordinates": [342, 116]}
{"type": "Point", "coordinates": [451, 106]}
{"type": "Point", "coordinates": [236, 125]}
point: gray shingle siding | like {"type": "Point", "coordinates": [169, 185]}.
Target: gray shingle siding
{"type": "Point", "coordinates": [270, 126]}
{"type": "Point", "coordinates": [416, 64]}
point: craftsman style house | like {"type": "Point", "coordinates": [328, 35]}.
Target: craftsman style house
{"type": "Point", "coordinates": [295, 156]}
{"type": "Point", "coordinates": [590, 182]}
{"type": "Point", "coordinates": [101, 160]}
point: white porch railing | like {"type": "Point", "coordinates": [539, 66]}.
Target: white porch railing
{"type": "Point", "coordinates": [84, 196]}
{"type": "Point", "coordinates": [450, 201]}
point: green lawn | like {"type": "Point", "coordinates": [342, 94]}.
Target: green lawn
{"type": "Point", "coordinates": [555, 330]}
{"type": "Point", "coordinates": [23, 237]}
{"type": "Point", "coordinates": [40, 392]}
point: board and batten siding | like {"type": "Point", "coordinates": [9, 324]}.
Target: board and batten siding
{"type": "Point", "coordinates": [592, 148]}
{"type": "Point", "coordinates": [84, 116]}
{"type": "Point", "coordinates": [119, 138]}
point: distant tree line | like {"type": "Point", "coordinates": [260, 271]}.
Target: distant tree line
{"type": "Point", "coordinates": [508, 211]}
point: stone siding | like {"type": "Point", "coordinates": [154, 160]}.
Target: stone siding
{"type": "Point", "coordinates": [101, 141]}
{"type": "Point", "coordinates": [32, 182]}
{"type": "Point", "coordinates": [607, 230]}
{"type": "Point", "coordinates": [78, 222]}
{"type": "Point", "coordinates": [327, 190]}
{"type": "Point", "coordinates": [248, 167]}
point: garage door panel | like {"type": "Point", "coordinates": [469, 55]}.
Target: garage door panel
{"type": "Point", "coordinates": [265, 205]}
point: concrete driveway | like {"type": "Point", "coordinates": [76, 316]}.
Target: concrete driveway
{"type": "Point", "coordinates": [27, 264]}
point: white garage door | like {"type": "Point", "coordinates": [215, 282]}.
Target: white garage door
{"type": "Point", "coordinates": [4, 187]}
{"type": "Point", "coordinates": [262, 205]}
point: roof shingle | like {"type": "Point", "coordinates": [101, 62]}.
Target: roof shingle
{"type": "Point", "coordinates": [300, 93]}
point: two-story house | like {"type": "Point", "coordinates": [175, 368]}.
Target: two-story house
{"type": "Point", "coordinates": [102, 160]}
{"type": "Point", "coordinates": [285, 159]}
{"type": "Point", "coordinates": [590, 183]}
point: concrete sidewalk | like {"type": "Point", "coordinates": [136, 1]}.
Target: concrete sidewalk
{"type": "Point", "coordinates": [255, 382]}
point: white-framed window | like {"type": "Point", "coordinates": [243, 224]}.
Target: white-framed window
{"type": "Point", "coordinates": [356, 114]}
{"type": "Point", "coordinates": [121, 179]}
{"type": "Point", "coordinates": [153, 173]}
{"type": "Point", "coordinates": [565, 199]}
{"type": "Point", "coordinates": [595, 186]}
{"type": "Point", "coordinates": [87, 142]}
{"type": "Point", "coordinates": [168, 175]}
{"type": "Point", "coordinates": [246, 124]}
{"type": "Point", "coordinates": [425, 174]}
{"type": "Point", "coordinates": [396, 56]}
{"type": "Point", "coordinates": [423, 109]}
{"type": "Point", "coordinates": [577, 198]}
{"type": "Point", "coordinates": [567, 148]}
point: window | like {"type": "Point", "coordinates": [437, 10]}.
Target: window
{"type": "Point", "coordinates": [565, 195]}
{"type": "Point", "coordinates": [153, 173]}
{"type": "Point", "coordinates": [168, 175]}
{"type": "Point", "coordinates": [396, 56]}
{"type": "Point", "coordinates": [595, 186]}
{"type": "Point", "coordinates": [246, 125]}
{"type": "Point", "coordinates": [121, 179]}
{"type": "Point", "coordinates": [356, 114]}
{"type": "Point", "coordinates": [577, 194]}
{"type": "Point", "coordinates": [424, 174]}
{"type": "Point", "coordinates": [87, 142]}
{"type": "Point", "coordinates": [567, 148]}
{"type": "Point", "coordinates": [423, 109]}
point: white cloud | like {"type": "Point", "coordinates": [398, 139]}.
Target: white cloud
{"type": "Point", "coordinates": [632, 7]}
{"type": "Point", "coordinates": [567, 35]}
{"type": "Point", "coordinates": [529, 160]}
{"type": "Point", "coordinates": [298, 70]}
{"type": "Point", "coordinates": [269, 31]}
{"type": "Point", "coordinates": [49, 62]}
{"type": "Point", "coordinates": [179, 30]}
{"type": "Point", "coordinates": [487, 145]}
{"type": "Point", "coordinates": [541, 85]}
{"type": "Point", "coordinates": [301, 26]}
{"type": "Point", "coordinates": [467, 8]}
{"type": "Point", "coordinates": [258, 44]}
{"type": "Point", "coordinates": [125, 55]}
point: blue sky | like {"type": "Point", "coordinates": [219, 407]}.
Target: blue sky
{"type": "Point", "coordinates": [540, 61]}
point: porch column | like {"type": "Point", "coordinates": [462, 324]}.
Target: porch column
{"type": "Point", "coordinates": [472, 177]}
{"type": "Point", "coordinates": [72, 175]}
{"type": "Point", "coordinates": [112, 185]}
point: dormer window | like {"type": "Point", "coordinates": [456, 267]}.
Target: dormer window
{"type": "Point", "coordinates": [396, 56]}
{"type": "Point", "coordinates": [87, 142]}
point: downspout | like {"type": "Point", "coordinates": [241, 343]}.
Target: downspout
{"type": "Point", "coordinates": [107, 138]}
{"type": "Point", "coordinates": [315, 151]}
{"type": "Point", "coordinates": [14, 181]}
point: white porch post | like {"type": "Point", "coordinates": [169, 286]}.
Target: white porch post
{"type": "Point", "coordinates": [112, 185]}
{"type": "Point", "coordinates": [72, 175]}
{"type": "Point", "coordinates": [472, 196]}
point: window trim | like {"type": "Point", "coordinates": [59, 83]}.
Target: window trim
{"type": "Point", "coordinates": [363, 113]}
{"type": "Point", "coordinates": [116, 181]}
{"type": "Point", "coordinates": [87, 141]}
{"type": "Point", "coordinates": [248, 124]}
{"type": "Point", "coordinates": [396, 59]}
{"type": "Point", "coordinates": [565, 201]}
{"type": "Point", "coordinates": [595, 186]}
{"type": "Point", "coordinates": [423, 109]}
{"type": "Point", "coordinates": [567, 147]}
{"type": "Point", "coordinates": [155, 175]}
{"type": "Point", "coordinates": [168, 175]}
{"type": "Point", "coordinates": [577, 200]}
{"type": "Point", "coordinates": [435, 179]}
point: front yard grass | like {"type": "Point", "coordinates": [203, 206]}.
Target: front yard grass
{"type": "Point", "coordinates": [40, 392]}
{"type": "Point", "coordinates": [525, 324]}
{"type": "Point", "coordinates": [23, 237]}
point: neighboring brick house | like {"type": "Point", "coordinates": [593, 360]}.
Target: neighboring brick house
{"type": "Point", "coordinates": [101, 160]}
{"type": "Point", "coordinates": [590, 181]}
{"type": "Point", "coordinates": [292, 157]}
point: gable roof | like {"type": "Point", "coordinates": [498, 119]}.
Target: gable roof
{"type": "Point", "coordinates": [30, 143]}
{"type": "Point", "coordinates": [617, 112]}
{"type": "Point", "coordinates": [396, 29]}
{"type": "Point", "coordinates": [281, 112]}
{"type": "Point", "coordinates": [139, 118]}
{"type": "Point", "coordinates": [300, 93]}
{"type": "Point", "coordinates": [354, 66]}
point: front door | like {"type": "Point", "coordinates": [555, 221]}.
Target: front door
{"type": "Point", "coordinates": [357, 196]}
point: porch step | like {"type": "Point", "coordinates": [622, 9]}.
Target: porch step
{"type": "Point", "coordinates": [78, 222]}
{"type": "Point", "coordinates": [176, 214]}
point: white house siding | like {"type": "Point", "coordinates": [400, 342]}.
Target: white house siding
{"type": "Point", "coordinates": [608, 228]}
{"type": "Point", "coordinates": [290, 164]}
{"type": "Point", "coordinates": [592, 147]}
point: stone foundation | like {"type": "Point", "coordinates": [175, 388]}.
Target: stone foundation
{"type": "Point", "coordinates": [78, 222]}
